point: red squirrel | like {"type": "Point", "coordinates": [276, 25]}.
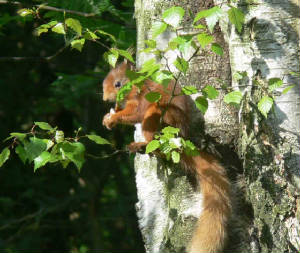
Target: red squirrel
{"type": "Point", "coordinates": [210, 231]}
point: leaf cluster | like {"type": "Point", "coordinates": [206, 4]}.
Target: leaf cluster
{"type": "Point", "coordinates": [49, 146]}
{"type": "Point", "coordinates": [171, 145]}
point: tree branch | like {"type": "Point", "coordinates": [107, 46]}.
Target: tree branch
{"type": "Point", "coordinates": [32, 58]}
{"type": "Point", "coordinates": [50, 8]}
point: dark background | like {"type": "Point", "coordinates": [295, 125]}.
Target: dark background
{"type": "Point", "coordinates": [57, 209]}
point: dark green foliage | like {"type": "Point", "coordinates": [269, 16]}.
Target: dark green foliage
{"type": "Point", "coordinates": [56, 209]}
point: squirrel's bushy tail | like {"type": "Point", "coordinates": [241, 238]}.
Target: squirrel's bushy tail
{"type": "Point", "coordinates": [210, 232]}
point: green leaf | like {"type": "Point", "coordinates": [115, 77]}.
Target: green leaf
{"type": "Point", "coordinates": [44, 28]}
{"type": "Point", "coordinates": [274, 83]}
{"type": "Point", "coordinates": [74, 152]}
{"type": "Point", "coordinates": [21, 153]}
{"type": "Point", "coordinates": [90, 35]}
{"type": "Point", "coordinates": [78, 44]}
{"type": "Point", "coordinates": [20, 136]}
{"type": "Point", "coordinates": [25, 12]}
{"type": "Point", "coordinates": [234, 97]}
{"type": "Point", "coordinates": [170, 130]}
{"type": "Point", "coordinates": [236, 17]}
{"type": "Point", "coordinates": [34, 148]}
{"type": "Point", "coordinates": [150, 66]}
{"type": "Point", "coordinates": [211, 16]}
{"type": "Point", "coordinates": [189, 90]}
{"type": "Point", "coordinates": [39, 31]}
{"type": "Point", "coordinates": [122, 93]}
{"type": "Point", "coordinates": [173, 16]}
{"type": "Point", "coordinates": [181, 64]}
{"type": "Point", "coordinates": [113, 38]}
{"type": "Point", "coordinates": [41, 160]}
{"type": "Point", "coordinates": [158, 28]}
{"type": "Point", "coordinates": [287, 89]}
{"type": "Point", "coordinates": [175, 156]}
{"type": "Point", "coordinates": [126, 54]}
{"type": "Point", "coordinates": [186, 47]}
{"type": "Point", "coordinates": [239, 75]}
{"type": "Point", "coordinates": [202, 104]}
{"type": "Point", "coordinates": [190, 145]}
{"type": "Point", "coordinates": [4, 155]}
{"type": "Point", "coordinates": [152, 145]}
{"type": "Point", "coordinates": [74, 24]}
{"type": "Point", "coordinates": [216, 48]}
{"type": "Point", "coordinates": [150, 43]}
{"type": "Point", "coordinates": [297, 74]}
{"type": "Point", "coordinates": [199, 26]}
{"type": "Point", "coordinates": [153, 97]}
{"type": "Point", "coordinates": [265, 105]}
{"type": "Point", "coordinates": [162, 77]}
{"type": "Point", "coordinates": [204, 39]}
{"type": "Point", "coordinates": [44, 125]}
{"type": "Point", "coordinates": [175, 143]}
{"type": "Point", "coordinates": [210, 92]}
{"type": "Point", "coordinates": [98, 139]}
{"type": "Point", "coordinates": [58, 28]}
{"type": "Point", "coordinates": [112, 57]}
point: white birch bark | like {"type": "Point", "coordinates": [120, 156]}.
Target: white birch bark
{"type": "Point", "coordinates": [266, 221]}
{"type": "Point", "coordinates": [269, 44]}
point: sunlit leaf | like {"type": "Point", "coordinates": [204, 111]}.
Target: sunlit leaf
{"type": "Point", "coordinates": [126, 54]}
{"type": "Point", "coordinates": [204, 39]}
{"type": "Point", "coordinates": [25, 12]}
{"type": "Point", "coordinates": [90, 35]}
{"type": "Point", "coordinates": [170, 130]}
{"type": "Point", "coordinates": [287, 89]}
{"type": "Point", "coordinates": [211, 16]}
{"type": "Point", "coordinates": [173, 16]}
{"type": "Point", "coordinates": [189, 90]}
{"type": "Point", "coordinates": [152, 145]}
{"type": "Point", "coordinates": [181, 64]}
{"type": "Point", "coordinates": [175, 156]}
{"type": "Point", "coordinates": [41, 160]}
{"type": "Point", "coordinates": [58, 28]}
{"type": "Point", "coordinates": [4, 155]}
{"type": "Point", "coordinates": [274, 83]}
{"type": "Point", "coordinates": [98, 139]}
{"type": "Point", "coordinates": [44, 125]}
{"type": "Point", "coordinates": [34, 147]}
{"type": "Point", "coordinates": [158, 28]}
{"type": "Point", "coordinates": [210, 92]}
{"type": "Point", "coordinates": [78, 44]}
{"type": "Point", "coordinates": [234, 97]}
{"type": "Point", "coordinates": [74, 24]}
{"type": "Point", "coordinates": [265, 105]}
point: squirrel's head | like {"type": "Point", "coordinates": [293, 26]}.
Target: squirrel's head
{"type": "Point", "coordinates": [115, 79]}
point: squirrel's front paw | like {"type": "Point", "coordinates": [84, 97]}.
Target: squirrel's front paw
{"type": "Point", "coordinates": [108, 121]}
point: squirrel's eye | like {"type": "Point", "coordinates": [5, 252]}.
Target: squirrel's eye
{"type": "Point", "coordinates": [118, 84]}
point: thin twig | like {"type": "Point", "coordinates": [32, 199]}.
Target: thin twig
{"type": "Point", "coordinates": [33, 58]}
{"type": "Point", "coordinates": [50, 8]}
{"type": "Point", "coordinates": [107, 156]}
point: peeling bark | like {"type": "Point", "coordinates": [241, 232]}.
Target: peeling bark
{"type": "Point", "coordinates": [269, 47]}
{"type": "Point", "coordinates": [267, 182]}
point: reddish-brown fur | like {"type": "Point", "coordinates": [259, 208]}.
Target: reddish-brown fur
{"type": "Point", "coordinates": [210, 231]}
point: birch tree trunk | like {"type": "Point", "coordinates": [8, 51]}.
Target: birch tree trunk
{"type": "Point", "coordinates": [265, 165]}
{"type": "Point", "coordinates": [269, 47]}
